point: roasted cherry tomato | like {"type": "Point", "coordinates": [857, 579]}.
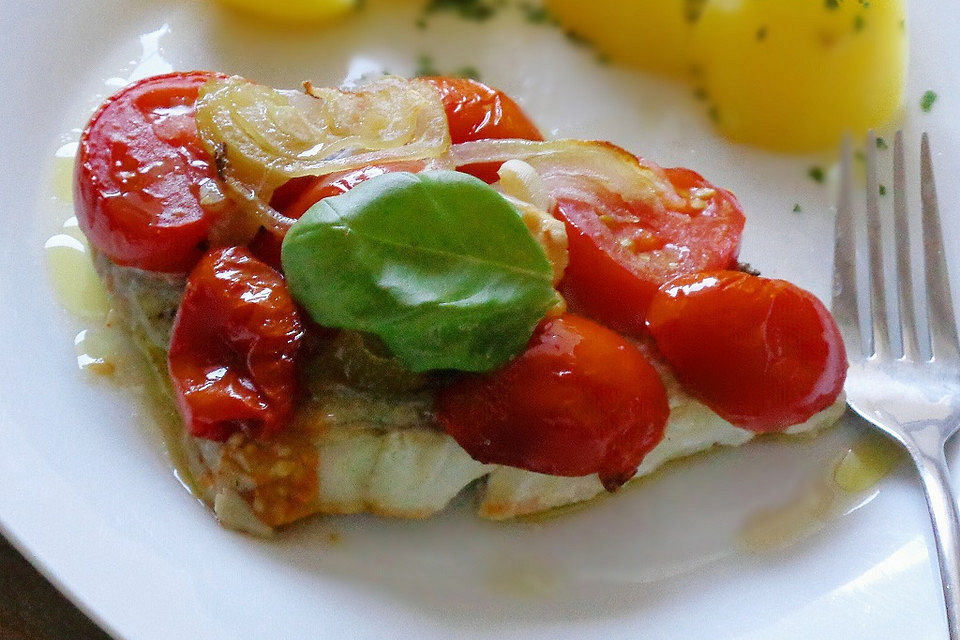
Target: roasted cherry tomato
{"type": "Point", "coordinates": [580, 400]}
{"type": "Point", "coordinates": [297, 195]}
{"type": "Point", "coordinates": [763, 354]}
{"type": "Point", "coordinates": [233, 347]}
{"type": "Point", "coordinates": [478, 112]}
{"type": "Point", "coordinates": [138, 173]}
{"type": "Point", "coordinates": [619, 260]}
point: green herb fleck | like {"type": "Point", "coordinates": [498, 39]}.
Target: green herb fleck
{"type": "Point", "coordinates": [467, 71]}
{"type": "Point", "coordinates": [832, 4]}
{"type": "Point", "coordinates": [536, 14]}
{"type": "Point", "coordinates": [797, 208]}
{"type": "Point", "coordinates": [425, 66]}
{"type": "Point", "coordinates": [761, 34]}
{"type": "Point", "coordinates": [883, 190]}
{"type": "Point", "coordinates": [859, 23]}
{"type": "Point", "coordinates": [926, 102]}
{"type": "Point", "coordinates": [882, 144]}
{"type": "Point", "coordinates": [467, 9]}
{"type": "Point", "coordinates": [817, 174]}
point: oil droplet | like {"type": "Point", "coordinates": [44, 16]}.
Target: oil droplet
{"type": "Point", "coordinates": [75, 282]}
{"type": "Point", "coordinates": [860, 468]}
{"type": "Point", "coordinates": [803, 516]}
{"type": "Point", "coordinates": [106, 350]}
{"type": "Point", "coordinates": [867, 462]}
{"type": "Point", "coordinates": [61, 173]}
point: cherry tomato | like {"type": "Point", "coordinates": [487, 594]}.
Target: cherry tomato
{"type": "Point", "coordinates": [233, 347]}
{"type": "Point", "coordinates": [580, 400]}
{"type": "Point", "coordinates": [763, 354]}
{"type": "Point", "coordinates": [478, 112]}
{"type": "Point", "coordinates": [299, 194]}
{"type": "Point", "coordinates": [138, 173]}
{"type": "Point", "coordinates": [620, 257]}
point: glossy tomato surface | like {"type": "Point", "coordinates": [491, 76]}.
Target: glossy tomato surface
{"type": "Point", "coordinates": [232, 352]}
{"type": "Point", "coordinates": [621, 255]}
{"type": "Point", "coordinates": [299, 194]}
{"type": "Point", "coordinates": [478, 112]}
{"type": "Point", "coordinates": [763, 354]}
{"type": "Point", "coordinates": [139, 168]}
{"type": "Point", "coordinates": [580, 400]}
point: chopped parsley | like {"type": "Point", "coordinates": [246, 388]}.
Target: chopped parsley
{"type": "Point", "coordinates": [761, 34]}
{"type": "Point", "coordinates": [426, 67]}
{"type": "Point", "coordinates": [797, 208]}
{"type": "Point", "coordinates": [883, 190]}
{"type": "Point", "coordinates": [882, 144]}
{"type": "Point", "coordinates": [478, 10]}
{"type": "Point", "coordinates": [817, 174]}
{"type": "Point", "coordinates": [536, 14]}
{"type": "Point", "coordinates": [927, 100]}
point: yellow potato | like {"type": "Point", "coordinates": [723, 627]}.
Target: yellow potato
{"type": "Point", "coordinates": [791, 75]}
{"type": "Point", "coordinates": [292, 11]}
{"type": "Point", "coordinates": [651, 34]}
{"type": "Point", "coordinates": [795, 75]}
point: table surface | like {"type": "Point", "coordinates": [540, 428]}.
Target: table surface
{"type": "Point", "coordinates": [32, 609]}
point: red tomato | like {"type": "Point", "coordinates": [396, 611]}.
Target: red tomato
{"type": "Point", "coordinates": [299, 194]}
{"type": "Point", "coordinates": [619, 260]}
{"type": "Point", "coordinates": [478, 112]}
{"type": "Point", "coordinates": [580, 400]}
{"type": "Point", "coordinates": [763, 354]}
{"type": "Point", "coordinates": [233, 347]}
{"type": "Point", "coordinates": [138, 173]}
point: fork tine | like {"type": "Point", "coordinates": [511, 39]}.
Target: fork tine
{"type": "Point", "coordinates": [880, 340]}
{"type": "Point", "coordinates": [844, 302]}
{"type": "Point", "coordinates": [908, 321]}
{"type": "Point", "coordinates": [943, 326]}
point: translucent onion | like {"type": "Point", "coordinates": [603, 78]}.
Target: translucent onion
{"type": "Point", "coordinates": [577, 169]}
{"type": "Point", "coordinates": [271, 136]}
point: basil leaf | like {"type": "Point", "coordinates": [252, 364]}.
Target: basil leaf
{"type": "Point", "coordinates": [437, 264]}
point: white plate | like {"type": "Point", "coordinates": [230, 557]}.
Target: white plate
{"type": "Point", "coordinates": [87, 493]}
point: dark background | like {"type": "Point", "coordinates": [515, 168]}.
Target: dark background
{"type": "Point", "coordinates": [32, 609]}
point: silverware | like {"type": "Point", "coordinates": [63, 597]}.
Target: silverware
{"type": "Point", "coordinates": [906, 388]}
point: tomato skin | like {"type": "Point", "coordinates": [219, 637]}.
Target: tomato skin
{"type": "Point", "coordinates": [138, 172]}
{"type": "Point", "coordinates": [763, 354]}
{"type": "Point", "coordinates": [299, 194]}
{"type": "Point", "coordinates": [614, 283]}
{"type": "Point", "coordinates": [478, 112]}
{"type": "Point", "coordinates": [233, 349]}
{"type": "Point", "coordinates": [580, 400]}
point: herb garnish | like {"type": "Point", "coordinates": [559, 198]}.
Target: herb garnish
{"type": "Point", "coordinates": [926, 102]}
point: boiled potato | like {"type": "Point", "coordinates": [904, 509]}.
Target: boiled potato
{"type": "Point", "coordinates": [651, 34]}
{"type": "Point", "coordinates": [790, 75]}
{"type": "Point", "coordinates": [795, 75]}
{"type": "Point", "coordinates": [292, 11]}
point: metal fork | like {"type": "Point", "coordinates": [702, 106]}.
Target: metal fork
{"type": "Point", "coordinates": [906, 390]}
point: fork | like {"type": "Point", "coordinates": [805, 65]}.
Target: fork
{"type": "Point", "coordinates": [910, 392]}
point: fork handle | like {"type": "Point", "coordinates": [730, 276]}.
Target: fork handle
{"type": "Point", "coordinates": [942, 504]}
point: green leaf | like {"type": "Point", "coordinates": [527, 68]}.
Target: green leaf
{"type": "Point", "coordinates": [437, 264]}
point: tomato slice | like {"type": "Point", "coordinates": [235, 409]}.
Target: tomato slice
{"type": "Point", "coordinates": [138, 173]}
{"type": "Point", "coordinates": [299, 194]}
{"type": "Point", "coordinates": [621, 255]}
{"type": "Point", "coordinates": [763, 354]}
{"type": "Point", "coordinates": [232, 352]}
{"type": "Point", "coordinates": [478, 112]}
{"type": "Point", "coordinates": [580, 400]}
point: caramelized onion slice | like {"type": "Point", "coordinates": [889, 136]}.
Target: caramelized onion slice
{"type": "Point", "coordinates": [577, 169]}
{"type": "Point", "coordinates": [271, 136]}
